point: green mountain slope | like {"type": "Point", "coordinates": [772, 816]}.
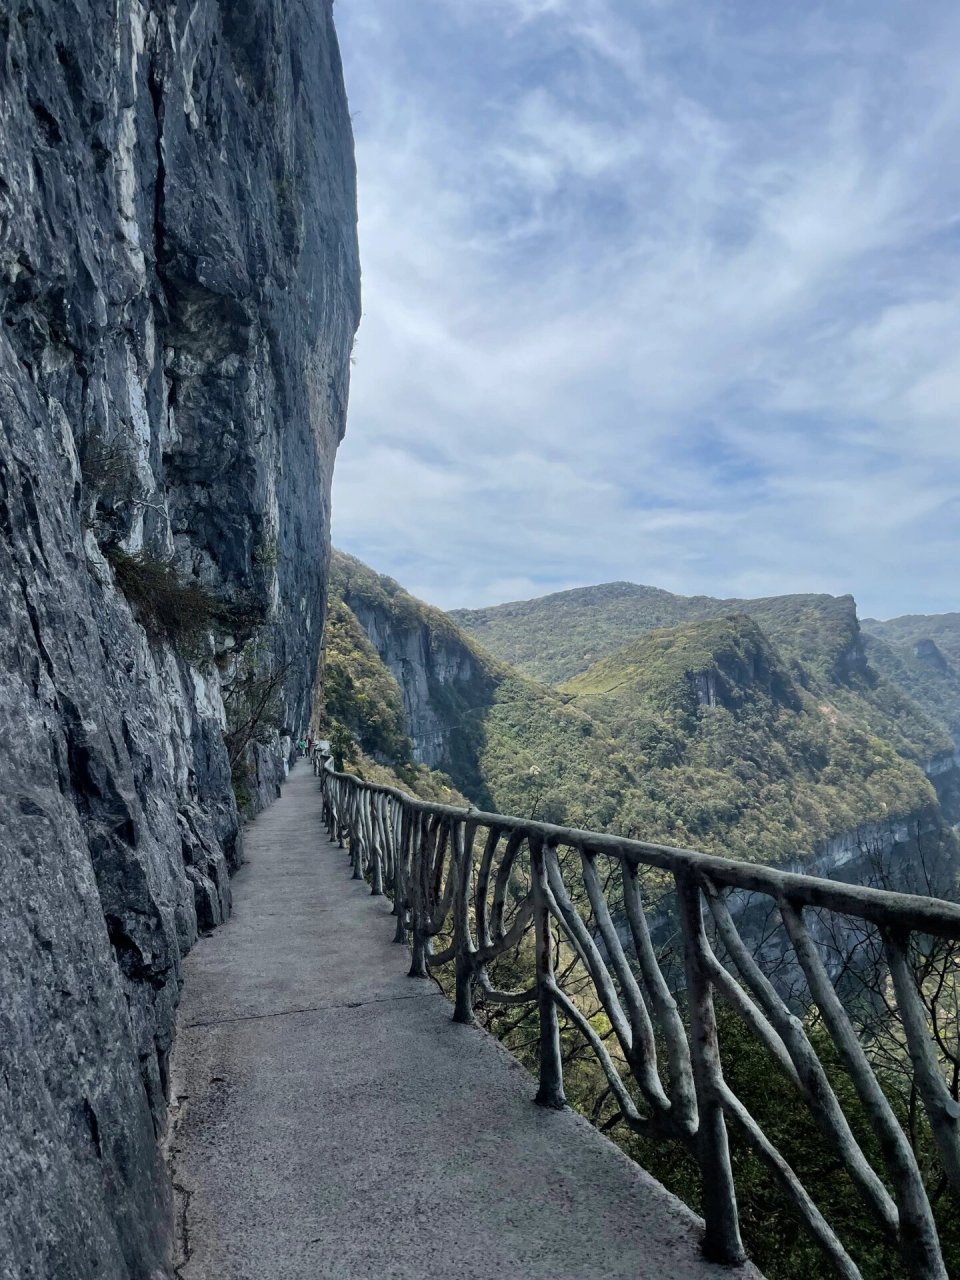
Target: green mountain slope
{"type": "Point", "coordinates": [914, 628]}
{"type": "Point", "coordinates": [921, 656]}
{"type": "Point", "coordinates": [506, 742]}
{"type": "Point", "coordinates": [555, 637]}
{"type": "Point", "coordinates": [732, 753]}
{"type": "Point", "coordinates": [709, 733]}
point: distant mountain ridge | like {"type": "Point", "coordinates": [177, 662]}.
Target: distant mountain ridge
{"type": "Point", "coordinates": [765, 737]}
{"type": "Point", "coordinates": [921, 654]}
{"type": "Point", "coordinates": [914, 628]}
{"type": "Point", "coordinates": [554, 637]}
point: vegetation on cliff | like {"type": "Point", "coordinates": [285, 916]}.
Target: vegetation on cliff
{"type": "Point", "coordinates": [925, 669]}
{"type": "Point", "coordinates": [359, 692]}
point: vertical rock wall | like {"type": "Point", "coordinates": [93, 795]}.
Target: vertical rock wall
{"type": "Point", "coordinates": [179, 289]}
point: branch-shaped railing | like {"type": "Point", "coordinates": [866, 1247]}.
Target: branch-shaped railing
{"type": "Point", "coordinates": [470, 888]}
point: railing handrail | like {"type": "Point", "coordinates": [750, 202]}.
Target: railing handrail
{"type": "Point", "coordinates": [915, 912]}
{"type": "Point", "coordinates": [487, 904]}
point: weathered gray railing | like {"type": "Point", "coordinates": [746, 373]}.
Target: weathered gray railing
{"type": "Point", "coordinates": [560, 883]}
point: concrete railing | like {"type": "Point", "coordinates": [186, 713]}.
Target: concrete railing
{"type": "Point", "coordinates": [469, 887]}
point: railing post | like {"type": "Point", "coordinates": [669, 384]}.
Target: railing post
{"type": "Point", "coordinates": [721, 1241]}
{"type": "Point", "coordinates": [461, 849]}
{"type": "Point", "coordinates": [378, 844]}
{"type": "Point", "coordinates": [419, 871]}
{"type": "Point", "coordinates": [356, 833]}
{"type": "Point", "coordinates": [401, 877]}
{"type": "Point", "coordinates": [550, 1093]}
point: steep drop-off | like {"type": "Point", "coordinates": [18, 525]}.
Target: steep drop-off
{"type": "Point", "coordinates": [179, 288]}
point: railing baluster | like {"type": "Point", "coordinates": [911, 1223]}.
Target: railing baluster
{"type": "Point", "coordinates": [461, 844]}
{"type": "Point", "coordinates": [482, 907]}
{"type": "Point", "coordinates": [722, 1242]}
{"type": "Point", "coordinates": [918, 1234]}
{"type": "Point", "coordinates": [941, 1107]}
{"type": "Point", "coordinates": [408, 822]}
{"type": "Point", "coordinates": [812, 1078]}
{"type": "Point", "coordinates": [420, 889]}
{"type": "Point", "coordinates": [550, 1093]}
{"type": "Point", "coordinates": [682, 1091]}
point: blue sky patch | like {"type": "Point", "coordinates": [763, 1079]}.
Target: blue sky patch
{"type": "Point", "coordinates": [659, 292]}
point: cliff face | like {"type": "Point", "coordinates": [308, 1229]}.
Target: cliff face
{"type": "Point", "coordinates": [446, 686]}
{"type": "Point", "coordinates": [431, 670]}
{"type": "Point", "coordinates": [507, 743]}
{"type": "Point", "coordinates": [179, 290]}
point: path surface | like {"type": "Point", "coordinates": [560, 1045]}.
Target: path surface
{"type": "Point", "coordinates": [334, 1121]}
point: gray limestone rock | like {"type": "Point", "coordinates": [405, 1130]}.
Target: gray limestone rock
{"type": "Point", "coordinates": [179, 289]}
{"type": "Point", "coordinates": [430, 668]}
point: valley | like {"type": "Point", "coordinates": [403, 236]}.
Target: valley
{"type": "Point", "coordinates": [773, 730]}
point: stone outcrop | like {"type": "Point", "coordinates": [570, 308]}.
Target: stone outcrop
{"type": "Point", "coordinates": [435, 672]}
{"type": "Point", "coordinates": [179, 289]}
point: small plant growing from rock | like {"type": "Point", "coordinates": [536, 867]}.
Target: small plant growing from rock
{"type": "Point", "coordinates": [253, 701]}
{"type": "Point", "coordinates": [168, 606]}
{"type": "Point", "coordinates": [266, 554]}
{"type": "Point", "coordinates": [105, 466]}
{"type": "Point", "coordinates": [181, 610]}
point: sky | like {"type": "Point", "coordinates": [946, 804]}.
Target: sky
{"type": "Point", "coordinates": [657, 290]}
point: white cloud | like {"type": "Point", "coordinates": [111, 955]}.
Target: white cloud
{"type": "Point", "coordinates": [654, 297]}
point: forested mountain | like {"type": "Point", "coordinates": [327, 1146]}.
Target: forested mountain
{"type": "Point", "coordinates": [413, 688]}
{"type": "Point", "coordinates": [553, 637]}
{"type": "Point", "coordinates": [733, 753]}
{"type": "Point", "coordinates": [556, 637]}
{"type": "Point", "coordinates": [763, 736]}
{"type": "Point", "coordinates": [916, 628]}
{"type": "Point", "coordinates": [921, 654]}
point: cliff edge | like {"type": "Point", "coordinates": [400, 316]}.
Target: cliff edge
{"type": "Point", "coordinates": [179, 289]}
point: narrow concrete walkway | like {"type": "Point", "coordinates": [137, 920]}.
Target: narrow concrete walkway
{"type": "Point", "coordinates": [334, 1122]}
